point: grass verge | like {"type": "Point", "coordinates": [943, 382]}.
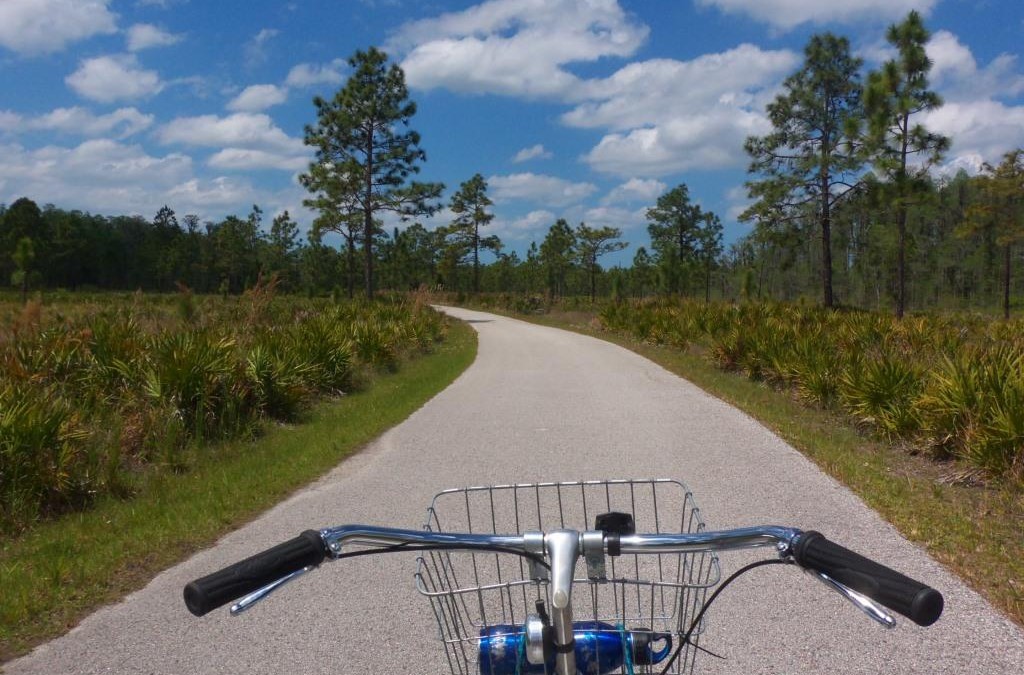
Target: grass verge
{"type": "Point", "coordinates": [974, 530]}
{"type": "Point", "coordinates": [58, 572]}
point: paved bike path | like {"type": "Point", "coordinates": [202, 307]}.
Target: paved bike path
{"type": "Point", "coordinates": [543, 404]}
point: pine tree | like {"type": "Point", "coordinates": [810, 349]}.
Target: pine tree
{"type": "Point", "coordinates": [469, 205]}
{"type": "Point", "coordinates": [365, 156]}
{"type": "Point", "coordinates": [810, 155]}
{"type": "Point", "coordinates": [673, 226]}
{"type": "Point", "coordinates": [893, 95]}
{"type": "Point", "coordinates": [591, 244]}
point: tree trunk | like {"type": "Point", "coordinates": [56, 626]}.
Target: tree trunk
{"type": "Point", "coordinates": [826, 232]}
{"type": "Point", "coordinates": [593, 281]}
{"type": "Point", "coordinates": [901, 223]}
{"type": "Point", "coordinates": [1006, 281]}
{"type": "Point", "coordinates": [368, 214]}
{"type": "Point", "coordinates": [707, 283]}
{"type": "Point", "coordinates": [901, 261]}
{"type": "Point", "coordinates": [368, 251]}
{"type": "Point", "coordinates": [350, 265]}
{"type": "Point", "coordinates": [476, 258]}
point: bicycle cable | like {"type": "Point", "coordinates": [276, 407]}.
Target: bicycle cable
{"type": "Point", "coordinates": [409, 546]}
{"type": "Point", "coordinates": [707, 603]}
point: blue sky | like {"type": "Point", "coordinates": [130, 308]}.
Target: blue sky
{"type": "Point", "coordinates": [583, 109]}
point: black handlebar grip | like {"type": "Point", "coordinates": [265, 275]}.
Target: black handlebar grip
{"type": "Point", "coordinates": [244, 577]}
{"type": "Point", "coordinates": [919, 603]}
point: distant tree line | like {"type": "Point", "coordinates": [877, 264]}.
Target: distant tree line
{"type": "Point", "coordinates": [846, 207]}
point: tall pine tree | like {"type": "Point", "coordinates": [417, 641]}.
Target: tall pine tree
{"type": "Point", "coordinates": [902, 150]}
{"type": "Point", "coordinates": [365, 153]}
{"type": "Point", "coordinates": [810, 156]}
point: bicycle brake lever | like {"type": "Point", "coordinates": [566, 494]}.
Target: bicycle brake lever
{"type": "Point", "coordinates": [857, 599]}
{"type": "Point", "coordinates": [261, 593]}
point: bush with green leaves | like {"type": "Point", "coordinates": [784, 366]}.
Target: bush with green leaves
{"type": "Point", "coordinates": [95, 390]}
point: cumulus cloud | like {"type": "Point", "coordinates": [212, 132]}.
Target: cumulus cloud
{"type": "Point", "coordinates": [310, 74]}
{"type": "Point", "coordinates": [664, 115]}
{"type": "Point", "coordinates": [658, 90]}
{"type": "Point", "coordinates": [121, 123]}
{"type": "Point", "coordinates": [532, 226]}
{"type": "Point", "coordinates": [532, 152]}
{"type": "Point", "coordinates": [670, 115]}
{"type": "Point", "coordinates": [145, 35]}
{"type": "Point", "coordinates": [515, 47]}
{"type": "Point", "coordinates": [246, 141]}
{"type": "Point", "coordinates": [100, 174]}
{"type": "Point", "coordinates": [986, 128]}
{"type": "Point", "coordinates": [114, 78]}
{"type": "Point", "coordinates": [980, 113]}
{"type": "Point", "coordinates": [636, 190]}
{"type": "Point", "coordinates": [615, 216]}
{"type": "Point", "coordinates": [242, 159]}
{"type": "Point", "coordinates": [956, 73]}
{"type": "Point", "coordinates": [31, 27]}
{"type": "Point", "coordinates": [255, 49]}
{"type": "Point", "coordinates": [540, 189]}
{"type": "Point", "coordinates": [241, 130]}
{"type": "Point", "coordinates": [219, 192]}
{"type": "Point", "coordinates": [258, 97]}
{"type": "Point", "coordinates": [786, 14]}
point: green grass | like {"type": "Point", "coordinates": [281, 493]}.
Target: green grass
{"type": "Point", "coordinates": [60, 571]}
{"type": "Point", "coordinates": [973, 529]}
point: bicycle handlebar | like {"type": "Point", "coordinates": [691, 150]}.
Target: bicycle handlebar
{"type": "Point", "coordinates": [921, 604]}
{"type": "Point", "coordinates": [811, 550]}
{"type": "Point", "coordinates": [210, 592]}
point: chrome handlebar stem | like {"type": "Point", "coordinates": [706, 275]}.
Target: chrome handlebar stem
{"type": "Point", "coordinates": [562, 548]}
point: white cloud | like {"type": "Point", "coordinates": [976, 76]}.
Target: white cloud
{"type": "Point", "coordinates": [670, 115]}
{"type": "Point", "coordinates": [546, 190]}
{"type": "Point", "coordinates": [636, 190]}
{"type": "Point", "coordinates": [220, 192]}
{"type": "Point", "coordinates": [786, 14]}
{"type": "Point", "coordinates": [515, 47]}
{"type": "Point", "coordinates": [986, 128]}
{"type": "Point", "coordinates": [659, 90]}
{"type": "Point", "coordinates": [121, 123]}
{"type": "Point", "coordinates": [114, 78]}
{"type": "Point", "coordinates": [102, 175]}
{"type": "Point", "coordinates": [956, 74]}
{"type": "Point", "coordinates": [532, 152]}
{"type": "Point", "coordinates": [524, 228]}
{"type": "Point", "coordinates": [615, 216]}
{"type": "Point", "coordinates": [242, 159]}
{"type": "Point", "coordinates": [10, 121]}
{"type": "Point", "coordinates": [241, 130]}
{"type": "Point", "coordinates": [969, 162]}
{"type": "Point", "coordinates": [258, 97]}
{"type": "Point", "coordinates": [255, 49]}
{"type": "Point", "coordinates": [31, 27]}
{"type": "Point", "coordinates": [738, 201]}
{"type": "Point", "coordinates": [981, 125]}
{"type": "Point", "coordinates": [145, 35]}
{"type": "Point", "coordinates": [310, 74]}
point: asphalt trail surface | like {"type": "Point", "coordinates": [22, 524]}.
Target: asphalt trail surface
{"type": "Point", "coordinates": [544, 405]}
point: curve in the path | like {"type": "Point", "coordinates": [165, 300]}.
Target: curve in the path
{"type": "Point", "coordinates": [543, 404]}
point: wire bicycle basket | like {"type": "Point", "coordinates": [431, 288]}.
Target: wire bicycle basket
{"type": "Point", "coordinates": [630, 619]}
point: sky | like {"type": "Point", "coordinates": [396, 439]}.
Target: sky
{"type": "Point", "coordinates": [578, 109]}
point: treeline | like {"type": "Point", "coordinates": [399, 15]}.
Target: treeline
{"type": "Point", "coordinates": [847, 208]}
{"type": "Point", "coordinates": [55, 248]}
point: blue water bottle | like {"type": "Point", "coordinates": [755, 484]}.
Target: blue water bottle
{"type": "Point", "coordinates": [600, 648]}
